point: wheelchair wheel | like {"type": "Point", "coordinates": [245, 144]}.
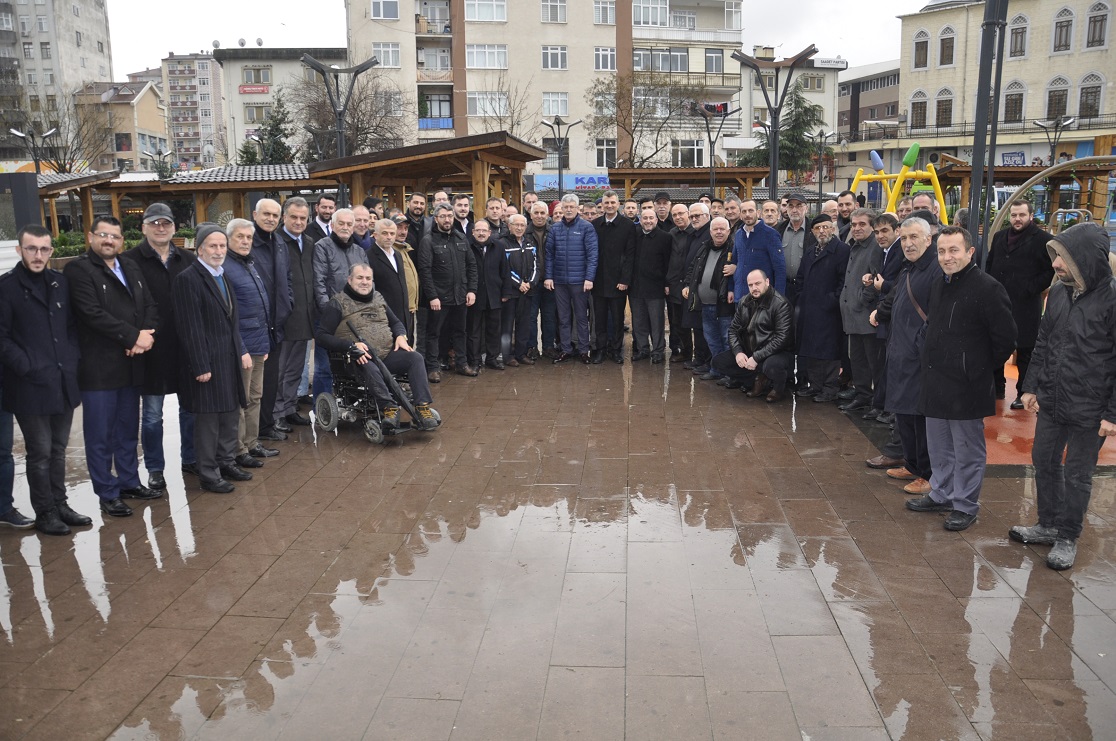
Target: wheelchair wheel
{"type": "Point", "coordinates": [325, 409]}
{"type": "Point", "coordinates": [373, 432]}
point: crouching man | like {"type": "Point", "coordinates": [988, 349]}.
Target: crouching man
{"type": "Point", "coordinates": [760, 354]}
{"type": "Point", "coordinates": [358, 304]}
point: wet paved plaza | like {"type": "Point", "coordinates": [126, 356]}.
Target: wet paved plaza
{"type": "Point", "coordinates": [603, 552]}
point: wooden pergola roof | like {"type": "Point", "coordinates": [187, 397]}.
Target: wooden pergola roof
{"type": "Point", "coordinates": [1093, 180]}
{"type": "Point", "coordinates": [53, 184]}
{"type": "Point", "coordinates": [488, 164]}
{"type": "Point", "coordinates": [744, 179]}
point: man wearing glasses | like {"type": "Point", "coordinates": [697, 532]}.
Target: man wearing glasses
{"type": "Point", "coordinates": [160, 263]}
{"type": "Point", "coordinates": [116, 319]}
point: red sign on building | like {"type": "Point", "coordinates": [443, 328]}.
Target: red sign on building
{"type": "Point", "coordinates": [254, 89]}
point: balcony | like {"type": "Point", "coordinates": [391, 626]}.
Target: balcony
{"type": "Point", "coordinates": [435, 124]}
{"type": "Point", "coordinates": [8, 38]}
{"type": "Point", "coordinates": [181, 72]}
{"type": "Point", "coordinates": [726, 80]}
{"type": "Point", "coordinates": [688, 36]}
{"type": "Point", "coordinates": [180, 87]}
{"type": "Point", "coordinates": [432, 26]}
{"type": "Point", "coordinates": [187, 135]}
{"type": "Point", "coordinates": [184, 104]}
{"type": "Point", "coordinates": [189, 150]}
{"type": "Point", "coordinates": [184, 118]}
{"type": "Point", "coordinates": [9, 90]}
{"type": "Point", "coordinates": [966, 129]}
{"type": "Point", "coordinates": [435, 75]}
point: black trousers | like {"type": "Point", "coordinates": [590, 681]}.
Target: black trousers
{"type": "Point", "coordinates": [822, 375]}
{"type": "Point", "coordinates": [45, 438]}
{"type": "Point", "coordinates": [866, 359]}
{"type": "Point", "coordinates": [484, 334]}
{"type": "Point", "coordinates": [1063, 490]}
{"type": "Point", "coordinates": [912, 431]}
{"type": "Point", "coordinates": [398, 362]}
{"type": "Point", "coordinates": [776, 368]}
{"type": "Point", "coordinates": [444, 329]}
{"type": "Point", "coordinates": [215, 440]}
{"type": "Point", "coordinates": [681, 339]}
{"type": "Point", "coordinates": [1022, 362]}
{"type": "Point", "coordinates": [604, 308]}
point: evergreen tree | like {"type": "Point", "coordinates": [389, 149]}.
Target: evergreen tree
{"type": "Point", "coordinates": [273, 135]}
{"type": "Point", "coordinates": [800, 121]}
{"type": "Point", "coordinates": [248, 154]}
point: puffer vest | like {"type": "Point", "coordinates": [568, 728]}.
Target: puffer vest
{"type": "Point", "coordinates": [370, 320]}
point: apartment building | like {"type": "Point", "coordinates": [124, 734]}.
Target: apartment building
{"type": "Point", "coordinates": [868, 112]}
{"type": "Point", "coordinates": [481, 65]}
{"type": "Point", "coordinates": [133, 119]}
{"type": "Point", "coordinates": [192, 86]}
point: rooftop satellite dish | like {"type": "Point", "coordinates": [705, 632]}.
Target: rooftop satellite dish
{"type": "Point", "coordinates": [259, 42]}
{"type": "Point", "coordinates": [240, 41]}
{"type": "Point", "coordinates": [216, 44]}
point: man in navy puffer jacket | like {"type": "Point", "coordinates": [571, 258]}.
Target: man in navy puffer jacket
{"type": "Point", "coordinates": [571, 264]}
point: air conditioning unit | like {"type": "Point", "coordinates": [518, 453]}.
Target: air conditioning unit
{"type": "Point", "coordinates": [902, 118]}
{"type": "Point", "coordinates": [934, 158]}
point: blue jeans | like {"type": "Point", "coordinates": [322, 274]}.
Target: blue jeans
{"type": "Point", "coordinates": [304, 384]}
{"type": "Point", "coordinates": [323, 375]}
{"type": "Point", "coordinates": [715, 328]}
{"type": "Point", "coordinates": [151, 434]}
{"type": "Point", "coordinates": [110, 422]}
{"type": "Point", "coordinates": [7, 463]}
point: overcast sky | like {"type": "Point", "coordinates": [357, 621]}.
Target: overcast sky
{"type": "Point", "coordinates": [143, 32]}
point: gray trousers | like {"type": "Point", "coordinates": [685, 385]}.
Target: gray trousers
{"type": "Point", "coordinates": [573, 315]}
{"type": "Point", "coordinates": [1063, 490]}
{"type": "Point", "coordinates": [292, 361]}
{"type": "Point", "coordinates": [958, 457]}
{"type": "Point", "coordinates": [215, 440]}
{"type": "Point", "coordinates": [648, 319]}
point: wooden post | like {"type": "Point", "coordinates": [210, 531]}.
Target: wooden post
{"type": "Point", "coordinates": [115, 196]}
{"type": "Point", "coordinates": [53, 203]}
{"type": "Point", "coordinates": [480, 175]}
{"type": "Point", "coordinates": [86, 195]}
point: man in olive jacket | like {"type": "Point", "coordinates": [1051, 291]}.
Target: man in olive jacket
{"type": "Point", "coordinates": [969, 332]}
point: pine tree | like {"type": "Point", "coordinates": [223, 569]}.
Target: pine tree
{"type": "Point", "coordinates": [248, 154]}
{"type": "Point", "coordinates": [800, 121]}
{"type": "Point", "coordinates": [273, 135]}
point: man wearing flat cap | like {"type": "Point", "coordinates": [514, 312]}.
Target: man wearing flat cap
{"type": "Point", "coordinates": [821, 277]}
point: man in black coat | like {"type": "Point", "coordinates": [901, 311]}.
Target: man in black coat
{"type": "Point", "coordinates": [39, 352]}
{"type": "Point", "coordinates": [270, 256]}
{"type": "Point", "coordinates": [969, 332]}
{"type": "Point", "coordinates": [709, 288]}
{"type": "Point", "coordinates": [615, 246]}
{"type": "Point", "coordinates": [213, 357]}
{"type": "Point", "coordinates": [388, 271]}
{"type": "Point", "coordinates": [320, 226]}
{"type": "Point", "coordinates": [691, 319]}
{"type": "Point", "coordinates": [485, 313]}
{"type": "Point", "coordinates": [448, 279]}
{"type": "Point", "coordinates": [820, 333]}
{"type": "Point", "coordinates": [1018, 260]}
{"type": "Point", "coordinates": [761, 342]}
{"type": "Point", "coordinates": [299, 327]}
{"type": "Point", "coordinates": [647, 294]}
{"type": "Point", "coordinates": [161, 262]}
{"type": "Point", "coordinates": [538, 228]}
{"type": "Point", "coordinates": [681, 339]}
{"type": "Point", "coordinates": [116, 318]}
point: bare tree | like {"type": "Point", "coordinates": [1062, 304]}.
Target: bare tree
{"type": "Point", "coordinates": [511, 107]}
{"type": "Point", "coordinates": [645, 111]}
{"type": "Point", "coordinates": [376, 119]}
{"type": "Point", "coordinates": [85, 134]}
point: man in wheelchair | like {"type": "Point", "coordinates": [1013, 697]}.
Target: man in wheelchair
{"type": "Point", "coordinates": [359, 307]}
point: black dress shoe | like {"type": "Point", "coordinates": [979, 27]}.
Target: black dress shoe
{"type": "Point", "coordinates": [597, 357]}
{"type": "Point", "coordinates": [220, 486]}
{"type": "Point", "coordinates": [190, 468]}
{"type": "Point", "coordinates": [156, 481]}
{"type": "Point", "coordinates": [71, 518]}
{"type": "Point", "coordinates": [280, 426]}
{"type": "Point", "coordinates": [467, 370]}
{"type": "Point", "coordinates": [49, 523]}
{"type": "Point", "coordinates": [495, 364]}
{"type": "Point", "coordinates": [586, 358]}
{"type": "Point", "coordinates": [115, 507]}
{"type": "Point", "coordinates": [852, 406]}
{"type": "Point", "coordinates": [306, 400]}
{"type": "Point", "coordinates": [656, 359]}
{"type": "Point", "coordinates": [247, 461]}
{"type": "Point", "coordinates": [618, 358]}
{"type": "Point", "coordinates": [140, 492]}
{"type": "Point", "coordinates": [235, 473]}
{"type": "Point", "coordinates": [846, 394]}
{"type": "Point", "coordinates": [1017, 404]}
{"type": "Point", "coordinates": [259, 451]}
{"type": "Point", "coordinates": [562, 357]}
{"type": "Point", "coordinates": [297, 419]}
{"type": "Point", "coordinates": [271, 434]}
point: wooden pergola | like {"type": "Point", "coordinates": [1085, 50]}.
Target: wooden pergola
{"type": "Point", "coordinates": [486, 165]}
{"type": "Point", "coordinates": [1092, 179]}
{"type": "Point", "coordinates": [53, 184]}
{"type": "Point", "coordinates": [744, 179]}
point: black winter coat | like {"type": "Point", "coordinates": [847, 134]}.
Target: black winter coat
{"type": "Point", "coordinates": [109, 319]}
{"type": "Point", "coordinates": [390, 282]}
{"type": "Point", "coordinates": [969, 334]}
{"type": "Point", "coordinates": [691, 318]}
{"type": "Point", "coordinates": [1073, 368]}
{"type": "Point", "coordinates": [273, 264]}
{"type": "Point", "coordinates": [615, 245]}
{"type": "Point", "coordinates": [907, 331]}
{"type": "Point", "coordinates": [762, 327]}
{"type": "Point", "coordinates": [493, 276]}
{"type": "Point", "coordinates": [721, 283]}
{"type": "Point", "coordinates": [653, 251]}
{"type": "Point", "coordinates": [1025, 272]}
{"type": "Point", "coordinates": [523, 267]}
{"type": "Point", "coordinates": [540, 236]}
{"type": "Point", "coordinates": [446, 267]}
{"type": "Point", "coordinates": [300, 324]}
{"type": "Point", "coordinates": [893, 261]}
{"type": "Point", "coordinates": [676, 268]}
{"type": "Point", "coordinates": [820, 280]}
{"type": "Point", "coordinates": [208, 328]}
{"type": "Point", "coordinates": [38, 343]}
{"type": "Point", "coordinates": [163, 361]}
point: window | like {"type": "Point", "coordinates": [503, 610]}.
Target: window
{"type": "Point", "coordinates": [604, 12]}
{"type": "Point", "coordinates": [714, 61]}
{"type": "Point", "coordinates": [734, 18]}
{"type": "Point", "coordinates": [1013, 102]}
{"type": "Point", "coordinates": [1089, 104]}
{"type": "Point", "coordinates": [51, 103]}
{"type": "Point", "coordinates": [687, 152]}
{"type": "Point", "coordinates": [768, 81]}
{"type": "Point", "coordinates": [31, 79]}
{"type": "Point", "coordinates": [486, 56]}
{"type": "Point", "coordinates": [42, 21]}
{"type": "Point", "coordinates": [650, 12]}
{"type": "Point", "coordinates": [28, 50]}
{"type": "Point", "coordinates": [486, 10]}
{"type": "Point", "coordinates": [650, 101]}
{"type": "Point", "coordinates": [683, 19]}
{"type": "Point", "coordinates": [1096, 30]}
{"type": "Point", "coordinates": [6, 22]}
{"type": "Point", "coordinates": [388, 102]}
{"type": "Point", "coordinates": [1063, 30]}
{"type": "Point", "coordinates": [554, 57]}
{"type": "Point", "coordinates": [553, 11]}
{"type": "Point", "coordinates": [76, 9]}
{"type": "Point", "coordinates": [1017, 44]}
{"type": "Point", "coordinates": [203, 82]}
{"type": "Point", "coordinates": [5, 52]}
{"type": "Point", "coordinates": [25, 24]}
{"type": "Point", "coordinates": [256, 113]}
{"type": "Point", "coordinates": [604, 105]}
{"type": "Point", "coordinates": [604, 58]}
{"type": "Point", "coordinates": [606, 152]}
{"type": "Point", "coordinates": [488, 103]}
{"type": "Point", "coordinates": [1057, 97]}
{"type": "Point", "coordinates": [100, 47]}
{"type": "Point", "coordinates": [48, 77]}
{"type": "Point", "coordinates": [385, 9]}
{"type": "Point", "coordinates": [843, 91]}
{"type": "Point", "coordinates": [680, 60]}
{"type": "Point", "coordinates": [257, 75]}
{"type": "Point", "coordinates": [77, 37]}
{"type": "Point", "coordinates": [552, 154]}
{"type": "Point", "coordinates": [812, 82]}
{"type": "Point", "coordinates": [872, 112]}
{"type": "Point", "coordinates": [892, 109]}
{"type": "Point", "coordinates": [943, 109]}
{"type": "Point", "coordinates": [206, 112]}
{"type": "Point", "coordinates": [921, 45]}
{"type": "Point", "coordinates": [555, 104]}
{"type": "Point", "coordinates": [641, 60]}
{"type": "Point", "coordinates": [945, 47]}
{"type": "Point", "coordinates": [440, 105]}
{"type": "Point", "coordinates": [203, 98]}
{"type": "Point", "coordinates": [386, 53]}
{"type": "Point", "coordinates": [918, 110]}
{"type": "Point", "coordinates": [36, 105]}
{"type": "Point", "coordinates": [203, 66]}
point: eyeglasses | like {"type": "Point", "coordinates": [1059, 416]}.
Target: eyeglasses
{"type": "Point", "coordinates": [37, 250]}
{"type": "Point", "coordinates": [106, 235]}
{"type": "Point", "coordinates": [161, 223]}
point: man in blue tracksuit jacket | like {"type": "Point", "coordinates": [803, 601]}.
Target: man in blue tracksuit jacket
{"type": "Point", "coordinates": [757, 247]}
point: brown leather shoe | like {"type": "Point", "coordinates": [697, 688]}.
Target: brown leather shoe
{"type": "Point", "coordinates": [774, 396]}
{"type": "Point", "coordinates": [882, 461]}
{"type": "Point", "coordinates": [434, 377]}
{"type": "Point", "coordinates": [758, 388]}
{"type": "Point", "coordinates": [900, 473]}
{"type": "Point", "coordinates": [918, 486]}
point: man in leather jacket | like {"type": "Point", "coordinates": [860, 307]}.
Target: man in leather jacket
{"type": "Point", "coordinates": [761, 342]}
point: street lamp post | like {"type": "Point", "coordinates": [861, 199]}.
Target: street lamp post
{"type": "Point", "coordinates": [555, 127]}
{"type": "Point", "coordinates": [822, 138]}
{"type": "Point", "coordinates": [160, 157]}
{"type": "Point", "coordinates": [709, 115]}
{"type": "Point", "coordinates": [775, 106]}
{"type": "Point", "coordinates": [339, 97]}
{"type": "Point", "coordinates": [33, 144]}
{"type": "Point", "coordinates": [1053, 130]}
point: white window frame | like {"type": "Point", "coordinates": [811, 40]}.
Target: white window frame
{"type": "Point", "coordinates": [555, 57]}
{"type": "Point", "coordinates": [695, 148]}
{"type": "Point", "coordinates": [1090, 80]}
{"type": "Point", "coordinates": [385, 10]}
{"type": "Point", "coordinates": [653, 100]}
{"type": "Point", "coordinates": [552, 11]}
{"type": "Point", "coordinates": [486, 56]}
{"type": "Point", "coordinates": [1065, 14]}
{"type": "Point", "coordinates": [42, 22]}
{"type": "Point", "coordinates": [7, 22]}
{"type": "Point", "coordinates": [256, 117]}
{"type": "Point", "coordinates": [685, 19]}
{"type": "Point", "coordinates": [487, 103]}
{"type": "Point", "coordinates": [555, 104]}
{"type": "Point", "coordinates": [921, 36]}
{"type": "Point", "coordinates": [604, 12]}
{"type": "Point", "coordinates": [734, 15]}
{"type": "Point", "coordinates": [1018, 22]}
{"type": "Point", "coordinates": [387, 53]}
{"type": "Point", "coordinates": [486, 11]}
{"type": "Point", "coordinates": [389, 101]}
{"type": "Point", "coordinates": [651, 13]}
{"type": "Point", "coordinates": [719, 56]}
{"type": "Point", "coordinates": [604, 58]}
{"type": "Point", "coordinates": [947, 33]}
{"type": "Point", "coordinates": [603, 148]}
{"type": "Point", "coordinates": [1097, 10]}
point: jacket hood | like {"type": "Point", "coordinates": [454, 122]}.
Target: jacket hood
{"type": "Point", "coordinates": [1084, 250]}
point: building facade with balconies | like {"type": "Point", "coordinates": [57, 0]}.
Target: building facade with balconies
{"type": "Point", "coordinates": [134, 122]}
{"type": "Point", "coordinates": [192, 86]}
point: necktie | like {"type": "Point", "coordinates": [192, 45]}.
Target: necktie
{"type": "Point", "coordinates": [224, 289]}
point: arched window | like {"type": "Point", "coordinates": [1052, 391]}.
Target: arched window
{"type": "Point", "coordinates": [946, 38]}
{"type": "Point", "coordinates": [1089, 100]}
{"type": "Point", "coordinates": [1057, 97]}
{"type": "Point", "coordinates": [921, 49]}
{"type": "Point", "coordinates": [1063, 30]}
{"type": "Point", "coordinates": [1017, 35]}
{"type": "Point", "coordinates": [1013, 102]}
{"type": "Point", "coordinates": [943, 108]}
{"type": "Point", "coordinates": [918, 110]}
{"type": "Point", "coordinates": [1096, 31]}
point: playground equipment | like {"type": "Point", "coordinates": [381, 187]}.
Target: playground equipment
{"type": "Point", "coordinates": [893, 183]}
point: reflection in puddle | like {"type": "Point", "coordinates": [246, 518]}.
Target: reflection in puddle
{"type": "Point", "coordinates": [87, 551]}
{"type": "Point", "coordinates": [32, 551]}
